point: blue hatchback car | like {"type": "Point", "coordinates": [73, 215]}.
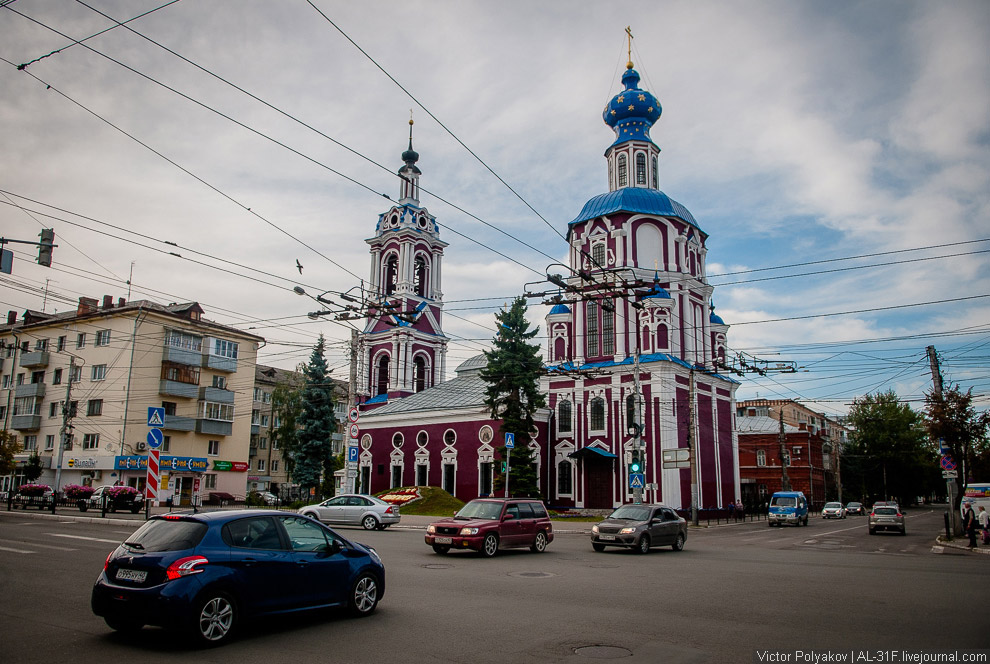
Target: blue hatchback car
{"type": "Point", "coordinates": [205, 573]}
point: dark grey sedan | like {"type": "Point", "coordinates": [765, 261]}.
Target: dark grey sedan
{"type": "Point", "coordinates": [640, 527]}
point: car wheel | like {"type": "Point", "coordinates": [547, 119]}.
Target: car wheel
{"type": "Point", "coordinates": [490, 545]}
{"type": "Point", "coordinates": [215, 619]}
{"type": "Point", "coordinates": [441, 548]}
{"type": "Point", "coordinates": [123, 625]}
{"type": "Point", "coordinates": [540, 543]}
{"type": "Point", "coordinates": [903, 531]}
{"type": "Point", "coordinates": [381, 526]}
{"type": "Point", "coordinates": [873, 531]}
{"type": "Point", "coordinates": [369, 522]}
{"type": "Point", "coordinates": [643, 546]}
{"type": "Point", "coordinates": [364, 595]}
{"type": "Point", "coordinates": [135, 509]}
{"type": "Point", "coordinates": [597, 547]}
{"type": "Point", "coordinates": [678, 544]}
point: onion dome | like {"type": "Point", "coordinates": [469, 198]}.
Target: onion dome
{"type": "Point", "coordinates": [410, 156]}
{"type": "Point", "coordinates": [560, 309]}
{"type": "Point", "coordinates": [714, 318]}
{"type": "Point", "coordinates": [633, 111]}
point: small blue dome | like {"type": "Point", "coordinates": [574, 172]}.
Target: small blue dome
{"type": "Point", "coordinates": [560, 309]}
{"type": "Point", "coordinates": [715, 319]}
{"type": "Point", "coordinates": [633, 111]}
{"type": "Point", "coordinates": [658, 292]}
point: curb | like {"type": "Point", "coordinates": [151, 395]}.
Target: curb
{"type": "Point", "coordinates": [960, 545]}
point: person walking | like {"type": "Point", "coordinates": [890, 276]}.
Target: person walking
{"type": "Point", "coordinates": [969, 524]}
{"type": "Point", "coordinates": [984, 520]}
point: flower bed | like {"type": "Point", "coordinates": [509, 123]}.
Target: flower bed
{"type": "Point", "coordinates": [33, 489]}
{"type": "Point", "coordinates": [77, 491]}
{"type": "Point", "coordinates": [401, 496]}
{"type": "Point", "coordinates": [122, 493]}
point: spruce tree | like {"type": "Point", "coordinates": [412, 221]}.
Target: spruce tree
{"type": "Point", "coordinates": [317, 422]}
{"type": "Point", "coordinates": [513, 394]}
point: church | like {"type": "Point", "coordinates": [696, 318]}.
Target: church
{"type": "Point", "coordinates": [631, 360]}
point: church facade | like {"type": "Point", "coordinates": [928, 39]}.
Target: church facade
{"type": "Point", "coordinates": [633, 346]}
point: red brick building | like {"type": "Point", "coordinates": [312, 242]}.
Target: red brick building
{"type": "Point", "coordinates": [759, 461]}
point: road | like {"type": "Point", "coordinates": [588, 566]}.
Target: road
{"type": "Point", "coordinates": [733, 590]}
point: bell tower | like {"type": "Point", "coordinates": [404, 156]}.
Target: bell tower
{"type": "Point", "coordinates": [403, 349]}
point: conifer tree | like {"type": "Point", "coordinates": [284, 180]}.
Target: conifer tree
{"type": "Point", "coordinates": [317, 421]}
{"type": "Point", "coordinates": [513, 394]}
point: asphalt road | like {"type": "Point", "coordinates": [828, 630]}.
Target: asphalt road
{"type": "Point", "coordinates": [734, 590]}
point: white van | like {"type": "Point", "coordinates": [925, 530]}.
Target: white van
{"type": "Point", "coordinates": [977, 494]}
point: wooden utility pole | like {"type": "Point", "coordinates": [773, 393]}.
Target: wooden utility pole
{"type": "Point", "coordinates": [65, 434]}
{"type": "Point", "coordinates": [785, 481]}
{"type": "Point", "coordinates": [693, 452]}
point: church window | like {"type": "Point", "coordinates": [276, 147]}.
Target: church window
{"type": "Point", "coordinates": [420, 276]}
{"type": "Point", "coordinates": [564, 474]}
{"type": "Point", "coordinates": [591, 330]}
{"type": "Point", "coordinates": [598, 255]}
{"type": "Point", "coordinates": [391, 273]}
{"type": "Point", "coordinates": [623, 176]}
{"type": "Point", "coordinates": [641, 169]}
{"type": "Point", "coordinates": [598, 414]}
{"type": "Point", "coordinates": [564, 417]}
{"type": "Point", "coordinates": [382, 377]}
{"type": "Point", "coordinates": [419, 374]}
{"type": "Point", "coordinates": [656, 183]}
{"type": "Point", "coordinates": [663, 340]}
{"type": "Point", "coordinates": [608, 329]}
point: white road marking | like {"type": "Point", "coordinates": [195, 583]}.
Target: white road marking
{"type": "Point", "coordinates": [46, 546]}
{"type": "Point", "coordinates": [3, 548]}
{"type": "Point", "coordinates": [89, 539]}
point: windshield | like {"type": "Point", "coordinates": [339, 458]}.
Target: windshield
{"type": "Point", "coordinates": [834, 506]}
{"type": "Point", "coordinates": [631, 513]}
{"type": "Point", "coordinates": [783, 501]}
{"type": "Point", "coordinates": [480, 509]}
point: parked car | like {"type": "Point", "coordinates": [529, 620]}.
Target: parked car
{"type": "Point", "coordinates": [352, 509]}
{"type": "Point", "coordinates": [487, 524]}
{"type": "Point", "coordinates": [788, 507]}
{"type": "Point", "coordinates": [885, 517]}
{"type": "Point", "coordinates": [833, 511]}
{"type": "Point", "coordinates": [640, 527]}
{"type": "Point", "coordinates": [206, 573]}
{"type": "Point", "coordinates": [269, 497]}
{"type": "Point", "coordinates": [118, 498]}
{"type": "Point", "coordinates": [855, 508]}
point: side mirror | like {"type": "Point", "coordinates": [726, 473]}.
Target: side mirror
{"type": "Point", "coordinates": [508, 517]}
{"type": "Point", "coordinates": [333, 547]}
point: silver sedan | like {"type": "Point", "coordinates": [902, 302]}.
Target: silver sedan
{"type": "Point", "coordinates": [351, 509]}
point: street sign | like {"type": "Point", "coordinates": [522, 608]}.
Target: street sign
{"type": "Point", "coordinates": [352, 414]}
{"type": "Point", "coordinates": [679, 458]}
{"type": "Point", "coordinates": [637, 481]}
{"type": "Point", "coordinates": [156, 417]}
{"type": "Point", "coordinates": [947, 463]}
{"type": "Point", "coordinates": [155, 438]}
{"type": "Point", "coordinates": [353, 430]}
{"type": "Point", "coordinates": [510, 440]}
{"type": "Point", "coordinates": [352, 454]}
{"type": "Point", "coordinates": [950, 474]}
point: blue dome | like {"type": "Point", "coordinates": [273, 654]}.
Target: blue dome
{"type": "Point", "coordinates": [633, 111]}
{"type": "Point", "coordinates": [560, 309]}
{"type": "Point", "coordinates": [715, 319]}
{"type": "Point", "coordinates": [637, 200]}
{"type": "Point", "coordinates": [658, 292]}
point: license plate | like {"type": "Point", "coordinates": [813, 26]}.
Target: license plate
{"type": "Point", "coordinates": [442, 540]}
{"type": "Point", "coordinates": [137, 576]}
{"type": "Point", "coordinates": [606, 537]}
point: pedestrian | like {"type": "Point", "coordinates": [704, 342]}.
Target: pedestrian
{"type": "Point", "coordinates": [732, 509]}
{"type": "Point", "coordinates": [984, 519]}
{"type": "Point", "coordinates": [969, 524]}
{"type": "Point", "coordinates": [740, 510]}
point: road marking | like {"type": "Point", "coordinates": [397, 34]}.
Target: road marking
{"type": "Point", "coordinates": [89, 539]}
{"type": "Point", "coordinates": [3, 548]}
{"type": "Point", "coordinates": [46, 546]}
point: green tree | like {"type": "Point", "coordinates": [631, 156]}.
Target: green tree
{"type": "Point", "coordinates": [317, 422]}
{"type": "Point", "coordinates": [8, 448]}
{"type": "Point", "coordinates": [887, 456]}
{"type": "Point", "coordinates": [284, 425]}
{"type": "Point", "coordinates": [950, 417]}
{"type": "Point", "coordinates": [513, 393]}
{"type": "Point", "coordinates": [32, 470]}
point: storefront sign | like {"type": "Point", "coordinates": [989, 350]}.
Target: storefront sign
{"type": "Point", "coordinates": [197, 464]}
{"type": "Point", "coordinates": [235, 466]}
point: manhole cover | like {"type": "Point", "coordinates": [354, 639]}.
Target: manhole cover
{"type": "Point", "coordinates": [602, 652]}
{"type": "Point", "coordinates": [532, 575]}
{"type": "Point", "coordinates": [437, 566]}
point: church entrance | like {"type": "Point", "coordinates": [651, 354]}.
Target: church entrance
{"type": "Point", "coordinates": [598, 472]}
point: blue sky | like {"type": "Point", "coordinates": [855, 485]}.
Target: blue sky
{"type": "Point", "coordinates": [794, 132]}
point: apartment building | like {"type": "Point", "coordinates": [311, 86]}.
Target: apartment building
{"type": "Point", "coordinates": [75, 388]}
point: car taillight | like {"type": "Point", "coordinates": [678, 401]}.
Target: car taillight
{"type": "Point", "coordinates": [172, 517]}
{"type": "Point", "coordinates": [389, 510]}
{"type": "Point", "coordinates": [106, 563]}
{"type": "Point", "coordinates": [872, 514]}
{"type": "Point", "coordinates": [184, 567]}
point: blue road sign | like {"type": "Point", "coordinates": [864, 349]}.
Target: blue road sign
{"type": "Point", "coordinates": [352, 453]}
{"type": "Point", "coordinates": [156, 417]}
{"type": "Point", "coordinates": [155, 438]}
{"type": "Point", "coordinates": [510, 440]}
{"type": "Point", "coordinates": [637, 481]}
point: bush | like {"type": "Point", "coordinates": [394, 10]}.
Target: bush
{"type": "Point", "coordinates": [33, 489]}
{"type": "Point", "coordinates": [77, 491]}
{"type": "Point", "coordinates": [121, 492]}
{"type": "Point", "coordinates": [253, 499]}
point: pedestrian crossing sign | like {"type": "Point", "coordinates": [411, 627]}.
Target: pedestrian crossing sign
{"type": "Point", "coordinates": [156, 417]}
{"type": "Point", "coordinates": [637, 481]}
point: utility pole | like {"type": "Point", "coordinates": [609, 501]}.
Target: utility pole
{"type": "Point", "coordinates": [950, 483]}
{"type": "Point", "coordinates": [785, 482]}
{"type": "Point", "coordinates": [693, 452]}
{"type": "Point", "coordinates": [350, 474]}
{"type": "Point", "coordinates": [638, 429]}
{"type": "Point", "coordinates": [65, 434]}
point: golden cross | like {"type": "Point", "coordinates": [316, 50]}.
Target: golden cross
{"type": "Point", "coordinates": [629, 65]}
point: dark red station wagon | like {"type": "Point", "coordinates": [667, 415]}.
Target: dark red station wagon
{"type": "Point", "coordinates": [487, 524]}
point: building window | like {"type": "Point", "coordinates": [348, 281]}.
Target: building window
{"type": "Point", "coordinates": [53, 409]}
{"type": "Point", "coordinates": [220, 382]}
{"type": "Point", "coordinates": [213, 448]}
{"type": "Point", "coordinates": [397, 440]}
{"type": "Point", "coordinates": [166, 443]}
{"type": "Point", "coordinates": [261, 465]}
{"type": "Point", "coordinates": [49, 442]}
{"type": "Point", "coordinates": [103, 338]}
{"type": "Point", "coordinates": [391, 273]}
{"type": "Point", "coordinates": [81, 340]}
{"type": "Point", "coordinates": [656, 183]}
{"type": "Point", "coordinates": [91, 441]}
{"type": "Point", "coordinates": [210, 481]}
{"type": "Point", "coordinates": [449, 437]}
{"type": "Point", "coordinates": [761, 457]}
{"type": "Point", "coordinates": [274, 465]}
{"type": "Point", "coordinates": [592, 329]}
{"type": "Point", "coordinates": [37, 377]}
{"type": "Point", "coordinates": [180, 373]}
{"type": "Point", "coordinates": [564, 414]}
{"type": "Point", "coordinates": [6, 382]}
{"type": "Point", "coordinates": [60, 345]}
{"type": "Point", "coordinates": [180, 339]}
{"type": "Point", "coordinates": [421, 475]}
{"type": "Point", "coordinates": [622, 168]}
{"type": "Point", "coordinates": [641, 169]}
{"type": "Point", "coordinates": [564, 475]}
{"type": "Point", "coordinates": [73, 408]}
{"type": "Point", "coordinates": [396, 477]}
{"type": "Point", "coordinates": [75, 374]}
{"type": "Point", "coordinates": [256, 417]}
{"type": "Point", "coordinates": [419, 276]}
{"type": "Point", "coordinates": [608, 329]}
{"type": "Point", "coordinates": [264, 420]}
{"type": "Point", "coordinates": [27, 406]}
{"type": "Point", "coordinates": [99, 371]}
{"type": "Point", "coordinates": [382, 382]}
{"type": "Point", "coordinates": [263, 442]}
{"type": "Point", "coordinates": [598, 414]}
{"type": "Point", "coordinates": [30, 443]}
{"type": "Point", "coordinates": [422, 438]}
{"type": "Point", "coordinates": [224, 348]}
{"type": "Point", "coordinates": [94, 407]}
{"type": "Point", "coordinates": [419, 374]}
{"type": "Point", "coordinates": [223, 412]}
{"type": "Point", "coordinates": [57, 377]}
{"type": "Point", "coordinates": [598, 255]}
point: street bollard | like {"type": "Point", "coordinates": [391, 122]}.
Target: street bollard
{"type": "Point", "coordinates": [948, 527]}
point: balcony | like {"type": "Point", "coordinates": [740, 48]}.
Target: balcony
{"type": "Point", "coordinates": [219, 363]}
{"type": "Point", "coordinates": [253, 450]}
{"type": "Point", "coordinates": [177, 389]}
{"type": "Point", "coordinates": [255, 429]}
{"type": "Point", "coordinates": [185, 356]}
{"type": "Point", "coordinates": [25, 422]}
{"type": "Point", "coordinates": [36, 359]}
{"type": "Point", "coordinates": [216, 395]}
{"type": "Point", "coordinates": [29, 390]}
{"type": "Point", "coordinates": [214, 427]}
{"type": "Point", "coordinates": [179, 423]}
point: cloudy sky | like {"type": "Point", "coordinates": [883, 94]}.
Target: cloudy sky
{"type": "Point", "coordinates": [835, 152]}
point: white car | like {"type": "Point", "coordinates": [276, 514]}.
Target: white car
{"type": "Point", "coordinates": [833, 511]}
{"type": "Point", "coordinates": [351, 509]}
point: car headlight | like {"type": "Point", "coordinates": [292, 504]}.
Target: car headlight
{"type": "Point", "coordinates": [627, 531]}
{"type": "Point", "coordinates": [431, 529]}
{"type": "Point", "coordinates": [594, 529]}
{"type": "Point", "coordinates": [374, 555]}
{"type": "Point", "coordinates": [469, 531]}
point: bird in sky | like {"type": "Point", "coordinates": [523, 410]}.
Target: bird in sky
{"type": "Point", "coordinates": [299, 266]}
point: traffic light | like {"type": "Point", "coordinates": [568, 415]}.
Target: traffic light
{"type": "Point", "coordinates": [502, 467]}
{"type": "Point", "coordinates": [45, 248]}
{"type": "Point", "coordinates": [636, 465]}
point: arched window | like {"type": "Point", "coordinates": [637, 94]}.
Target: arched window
{"type": "Point", "coordinates": [598, 255]}
{"type": "Point", "coordinates": [564, 475]}
{"type": "Point", "coordinates": [622, 168]}
{"type": "Point", "coordinates": [420, 276]}
{"type": "Point", "coordinates": [656, 176]}
{"type": "Point", "coordinates": [591, 329]}
{"type": "Point", "coordinates": [564, 417]}
{"type": "Point", "coordinates": [598, 414]}
{"type": "Point", "coordinates": [391, 273]}
{"type": "Point", "coordinates": [641, 169]}
{"type": "Point", "coordinates": [663, 337]}
{"type": "Point", "coordinates": [419, 374]}
{"type": "Point", "coordinates": [381, 380]}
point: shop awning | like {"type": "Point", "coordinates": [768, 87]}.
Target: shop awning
{"type": "Point", "coordinates": [591, 452]}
